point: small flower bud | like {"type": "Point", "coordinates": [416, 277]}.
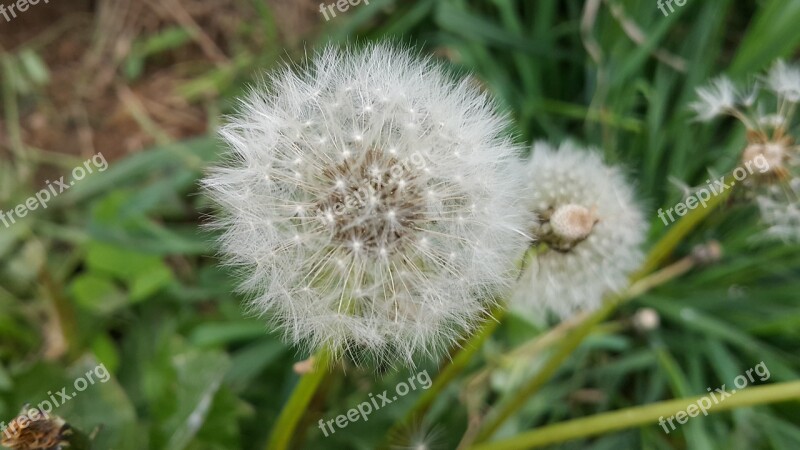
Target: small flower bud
{"type": "Point", "coordinates": [708, 253]}
{"type": "Point", "coordinates": [646, 319]}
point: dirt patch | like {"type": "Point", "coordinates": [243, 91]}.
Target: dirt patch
{"type": "Point", "coordinates": [117, 68]}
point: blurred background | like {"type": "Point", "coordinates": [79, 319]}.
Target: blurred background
{"type": "Point", "coordinates": [116, 270]}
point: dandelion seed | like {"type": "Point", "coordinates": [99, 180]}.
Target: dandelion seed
{"type": "Point", "coordinates": [784, 80]}
{"type": "Point", "coordinates": [718, 98]}
{"type": "Point", "coordinates": [419, 436]}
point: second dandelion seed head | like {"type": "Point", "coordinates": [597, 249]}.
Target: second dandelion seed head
{"type": "Point", "coordinates": [589, 232]}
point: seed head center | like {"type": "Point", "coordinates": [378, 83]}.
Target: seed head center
{"type": "Point", "coordinates": [375, 201]}
{"type": "Point", "coordinates": [566, 226]}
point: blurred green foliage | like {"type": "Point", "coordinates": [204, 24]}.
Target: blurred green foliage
{"type": "Point", "coordinates": [120, 267]}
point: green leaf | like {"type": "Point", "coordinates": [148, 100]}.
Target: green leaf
{"type": "Point", "coordinates": [149, 282]}
{"type": "Point", "coordinates": [5, 380]}
{"type": "Point", "coordinates": [97, 293]}
{"type": "Point", "coordinates": [34, 66]}
{"type": "Point", "coordinates": [772, 34]}
{"type": "Point", "coordinates": [250, 361]}
{"type": "Point", "coordinates": [106, 352]}
{"type": "Point", "coordinates": [103, 405]}
{"type": "Point", "coordinates": [143, 274]}
{"type": "Point", "coordinates": [213, 334]}
{"type": "Point", "coordinates": [199, 378]}
{"type": "Point", "coordinates": [121, 263]}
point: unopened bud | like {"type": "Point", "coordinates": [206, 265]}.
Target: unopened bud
{"type": "Point", "coordinates": [646, 319]}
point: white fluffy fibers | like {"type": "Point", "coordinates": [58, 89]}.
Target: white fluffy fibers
{"type": "Point", "coordinates": [769, 113]}
{"type": "Point", "coordinates": [369, 201]}
{"type": "Point", "coordinates": [590, 233]}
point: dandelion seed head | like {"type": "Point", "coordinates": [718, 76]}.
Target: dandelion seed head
{"type": "Point", "coordinates": [590, 232]}
{"type": "Point", "coordinates": [769, 159]}
{"type": "Point", "coordinates": [771, 155]}
{"type": "Point", "coordinates": [359, 252]}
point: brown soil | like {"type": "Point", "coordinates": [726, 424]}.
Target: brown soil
{"type": "Point", "coordinates": [89, 105]}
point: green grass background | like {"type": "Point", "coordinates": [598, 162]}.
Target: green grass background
{"type": "Point", "coordinates": [139, 289]}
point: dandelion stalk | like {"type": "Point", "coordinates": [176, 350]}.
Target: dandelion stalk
{"type": "Point", "coordinates": [295, 407]}
{"type": "Point", "coordinates": [563, 351]}
{"type": "Point", "coordinates": [454, 366]}
{"type": "Point", "coordinates": [459, 359]}
{"type": "Point", "coordinates": [678, 231]}
{"type": "Point", "coordinates": [639, 416]}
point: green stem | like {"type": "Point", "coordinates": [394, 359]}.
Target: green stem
{"type": "Point", "coordinates": [677, 232]}
{"type": "Point", "coordinates": [295, 408]}
{"type": "Point", "coordinates": [64, 312]}
{"type": "Point", "coordinates": [457, 363]}
{"type": "Point", "coordinates": [642, 415]}
{"type": "Point", "coordinates": [568, 344]}
{"type": "Point", "coordinates": [563, 351]}
{"type": "Point", "coordinates": [451, 370]}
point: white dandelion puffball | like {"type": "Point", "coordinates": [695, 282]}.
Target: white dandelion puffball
{"type": "Point", "coordinates": [780, 210]}
{"type": "Point", "coordinates": [370, 202]}
{"type": "Point", "coordinates": [771, 155]}
{"type": "Point", "coordinates": [590, 233]}
{"type": "Point", "coordinates": [718, 98]}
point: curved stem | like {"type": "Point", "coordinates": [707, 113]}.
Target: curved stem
{"type": "Point", "coordinates": [457, 363]}
{"type": "Point", "coordinates": [567, 346]}
{"type": "Point", "coordinates": [563, 351]}
{"type": "Point", "coordinates": [451, 370]}
{"type": "Point", "coordinates": [295, 407]}
{"type": "Point", "coordinates": [667, 244]}
{"type": "Point", "coordinates": [642, 415]}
